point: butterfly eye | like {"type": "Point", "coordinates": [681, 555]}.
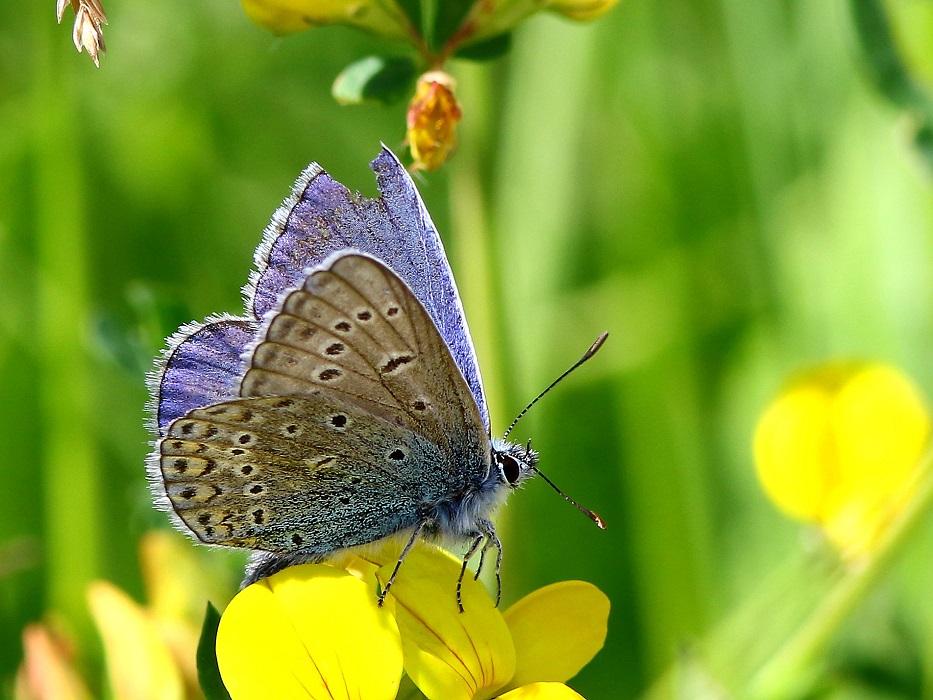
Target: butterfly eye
{"type": "Point", "coordinates": [510, 468]}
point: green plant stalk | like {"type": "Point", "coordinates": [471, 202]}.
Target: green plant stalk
{"type": "Point", "coordinates": [473, 262]}
{"type": "Point", "coordinates": [791, 668]}
{"type": "Point", "coordinates": [69, 465]}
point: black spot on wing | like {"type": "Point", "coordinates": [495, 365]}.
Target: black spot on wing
{"type": "Point", "coordinates": [395, 363]}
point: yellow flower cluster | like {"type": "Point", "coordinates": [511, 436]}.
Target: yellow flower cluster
{"type": "Point", "coordinates": [433, 112]}
{"type": "Point", "coordinates": [149, 649]}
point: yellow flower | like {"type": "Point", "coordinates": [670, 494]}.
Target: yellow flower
{"type": "Point", "coordinates": [139, 663]}
{"type": "Point", "coordinates": [582, 10]}
{"type": "Point", "coordinates": [381, 17]}
{"type": "Point", "coordinates": [151, 650]}
{"type": "Point", "coordinates": [311, 631]}
{"type": "Point", "coordinates": [491, 18]}
{"type": "Point", "coordinates": [316, 631]}
{"type": "Point", "coordinates": [840, 447]}
{"type": "Point", "coordinates": [433, 114]}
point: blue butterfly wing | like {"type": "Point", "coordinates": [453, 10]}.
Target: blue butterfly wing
{"type": "Point", "coordinates": [201, 366]}
{"type": "Point", "coordinates": [322, 217]}
{"type": "Point", "coordinates": [319, 218]}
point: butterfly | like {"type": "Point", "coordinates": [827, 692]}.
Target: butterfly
{"type": "Point", "coordinates": [346, 404]}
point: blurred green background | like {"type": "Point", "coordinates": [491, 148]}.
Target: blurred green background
{"type": "Point", "coordinates": [717, 183]}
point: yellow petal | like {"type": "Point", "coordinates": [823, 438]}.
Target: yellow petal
{"type": "Point", "coordinates": [48, 671]}
{"type": "Point", "coordinates": [557, 630]}
{"type": "Point", "coordinates": [139, 664]}
{"type": "Point", "coordinates": [449, 655]}
{"type": "Point", "coordinates": [542, 691]}
{"type": "Point", "coordinates": [793, 452]}
{"type": "Point", "coordinates": [494, 17]}
{"type": "Point", "coordinates": [311, 631]}
{"type": "Point", "coordinates": [181, 639]}
{"type": "Point", "coordinates": [881, 428]}
{"type": "Point", "coordinates": [383, 18]}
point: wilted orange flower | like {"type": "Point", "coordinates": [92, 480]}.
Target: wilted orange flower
{"type": "Point", "coordinates": [48, 670]}
{"type": "Point", "coordinates": [433, 114]}
{"type": "Point", "coordinates": [87, 34]}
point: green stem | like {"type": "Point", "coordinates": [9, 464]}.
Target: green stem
{"type": "Point", "coordinates": [474, 266]}
{"type": "Point", "coordinates": [790, 669]}
{"type": "Point", "coordinates": [69, 464]}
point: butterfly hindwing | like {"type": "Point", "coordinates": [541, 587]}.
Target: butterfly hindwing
{"type": "Point", "coordinates": [355, 331]}
{"type": "Point", "coordinates": [282, 474]}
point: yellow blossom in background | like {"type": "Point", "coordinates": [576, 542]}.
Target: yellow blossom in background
{"type": "Point", "coordinates": [488, 18]}
{"type": "Point", "coordinates": [380, 17]}
{"type": "Point", "coordinates": [316, 631]}
{"type": "Point", "coordinates": [840, 447]}
{"type": "Point", "coordinates": [150, 651]}
{"type": "Point", "coordinates": [433, 115]}
{"type": "Point", "coordinates": [582, 10]}
{"type": "Point", "coordinates": [177, 588]}
{"type": "Point", "coordinates": [139, 663]}
{"type": "Point", "coordinates": [479, 29]}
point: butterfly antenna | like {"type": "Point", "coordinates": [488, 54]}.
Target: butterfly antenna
{"type": "Point", "coordinates": [587, 355]}
{"type": "Point", "coordinates": [600, 523]}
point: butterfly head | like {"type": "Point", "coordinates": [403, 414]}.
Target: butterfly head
{"type": "Point", "coordinates": [515, 463]}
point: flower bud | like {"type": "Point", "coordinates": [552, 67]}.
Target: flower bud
{"type": "Point", "coordinates": [433, 114]}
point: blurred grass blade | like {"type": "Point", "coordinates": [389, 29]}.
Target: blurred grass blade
{"type": "Point", "coordinates": [70, 468]}
{"type": "Point", "coordinates": [890, 75]}
{"type": "Point", "coordinates": [886, 69]}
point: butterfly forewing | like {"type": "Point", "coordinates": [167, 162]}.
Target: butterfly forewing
{"type": "Point", "coordinates": [353, 412]}
{"type": "Point", "coordinates": [288, 473]}
{"type": "Point", "coordinates": [356, 332]}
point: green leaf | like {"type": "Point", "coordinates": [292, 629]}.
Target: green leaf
{"type": "Point", "coordinates": [374, 79]}
{"type": "Point", "coordinates": [448, 17]}
{"type": "Point", "coordinates": [488, 49]}
{"type": "Point", "coordinates": [208, 672]}
{"type": "Point", "coordinates": [412, 10]}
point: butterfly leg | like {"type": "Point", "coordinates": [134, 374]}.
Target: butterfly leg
{"type": "Point", "coordinates": [490, 543]}
{"type": "Point", "coordinates": [474, 545]}
{"type": "Point", "coordinates": [398, 565]}
{"type": "Point", "coordinates": [492, 540]}
{"type": "Point", "coordinates": [486, 531]}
